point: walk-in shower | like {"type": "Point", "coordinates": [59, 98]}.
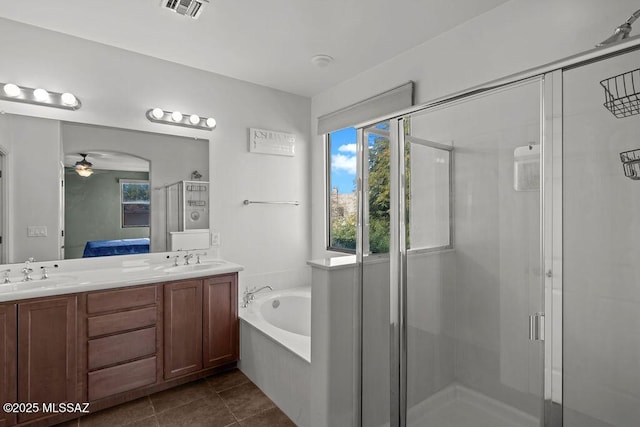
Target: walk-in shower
{"type": "Point", "coordinates": [499, 274]}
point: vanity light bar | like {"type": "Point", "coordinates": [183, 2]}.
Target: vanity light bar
{"type": "Point", "coordinates": [38, 96]}
{"type": "Point", "coordinates": [176, 118]}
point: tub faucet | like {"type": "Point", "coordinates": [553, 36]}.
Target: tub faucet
{"type": "Point", "coordinates": [249, 295]}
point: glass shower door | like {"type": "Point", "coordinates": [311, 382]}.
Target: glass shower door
{"type": "Point", "coordinates": [471, 261]}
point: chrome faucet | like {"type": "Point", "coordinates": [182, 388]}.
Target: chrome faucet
{"type": "Point", "coordinates": [27, 270]}
{"type": "Point", "coordinates": [187, 257]}
{"type": "Point", "coordinates": [249, 295]}
{"type": "Point", "coordinates": [6, 276]}
{"type": "Point", "coordinates": [198, 257]}
{"type": "Point", "coordinates": [45, 270]}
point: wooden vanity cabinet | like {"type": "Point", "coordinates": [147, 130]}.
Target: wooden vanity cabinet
{"type": "Point", "coordinates": [200, 324]}
{"type": "Point", "coordinates": [220, 321]}
{"type": "Point", "coordinates": [122, 340]}
{"type": "Point", "coordinates": [47, 352]}
{"type": "Point", "coordinates": [7, 361]}
{"type": "Point", "coordinates": [111, 346]}
{"type": "Point", "coordinates": [182, 328]}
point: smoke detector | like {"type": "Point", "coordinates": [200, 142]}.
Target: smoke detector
{"type": "Point", "coordinates": [321, 61]}
{"type": "Point", "coordinates": [190, 8]}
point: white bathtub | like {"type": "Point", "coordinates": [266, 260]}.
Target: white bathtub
{"type": "Point", "coordinates": [275, 349]}
{"type": "Point", "coordinates": [284, 316]}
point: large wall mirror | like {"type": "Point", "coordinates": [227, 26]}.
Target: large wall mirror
{"type": "Point", "coordinates": [50, 212]}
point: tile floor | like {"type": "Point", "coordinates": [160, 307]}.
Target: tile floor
{"type": "Point", "coordinates": [228, 399]}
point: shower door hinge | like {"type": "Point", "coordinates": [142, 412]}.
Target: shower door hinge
{"type": "Point", "coordinates": [536, 327]}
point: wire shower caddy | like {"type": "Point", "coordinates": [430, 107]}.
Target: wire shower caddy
{"type": "Point", "coordinates": [631, 163]}
{"type": "Point", "coordinates": [622, 94]}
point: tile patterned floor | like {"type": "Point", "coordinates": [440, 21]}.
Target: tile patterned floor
{"type": "Point", "coordinates": [228, 399]}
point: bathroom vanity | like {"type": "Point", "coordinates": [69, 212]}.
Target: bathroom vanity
{"type": "Point", "coordinates": [112, 336]}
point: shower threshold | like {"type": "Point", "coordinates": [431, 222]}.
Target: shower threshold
{"type": "Point", "coordinates": [458, 406]}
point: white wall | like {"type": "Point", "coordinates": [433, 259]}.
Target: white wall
{"type": "Point", "coordinates": [601, 274]}
{"type": "Point", "coordinates": [32, 152]}
{"type": "Point", "coordinates": [513, 37]}
{"type": "Point", "coordinates": [116, 88]}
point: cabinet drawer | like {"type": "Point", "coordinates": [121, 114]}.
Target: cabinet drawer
{"type": "Point", "coordinates": [122, 299]}
{"type": "Point", "coordinates": [122, 347]}
{"type": "Point", "coordinates": [121, 378]}
{"type": "Point", "coordinates": [119, 322]}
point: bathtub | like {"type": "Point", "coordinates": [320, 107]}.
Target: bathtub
{"type": "Point", "coordinates": [275, 349]}
{"type": "Point", "coordinates": [285, 317]}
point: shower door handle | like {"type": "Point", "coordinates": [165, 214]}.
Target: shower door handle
{"type": "Point", "coordinates": [536, 327]}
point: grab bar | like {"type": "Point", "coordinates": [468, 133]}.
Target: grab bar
{"type": "Point", "coordinates": [249, 202]}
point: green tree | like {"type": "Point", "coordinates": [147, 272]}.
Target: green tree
{"type": "Point", "coordinates": [380, 190]}
{"type": "Point", "coordinates": [379, 195]}
{"type": "Point", "coordinates": [343, 232]}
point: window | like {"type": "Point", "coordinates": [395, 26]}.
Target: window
{"type": "Point", "coordinates": [428, 191]}
{"type": "Point", "coordinates": [134, 198]}
{"type": "Point", "coordinates": [378, 193]}
{"type": "Point", "coordinates": [342, 201]}
{"type": "Point", "coordinates": [428, 188]}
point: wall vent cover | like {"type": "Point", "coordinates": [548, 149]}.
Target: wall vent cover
{"type": "Point", "coordinates": [190, 8]}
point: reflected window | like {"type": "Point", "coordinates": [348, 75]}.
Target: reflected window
{"type": "Point", "coordinates": [135, 203]}
{"type": "Point", "coordinates": [428, 189]}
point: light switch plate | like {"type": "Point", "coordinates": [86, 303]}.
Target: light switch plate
{"type": "Point", "coordinates": [215, 239]}
{"type": "Point", "coordinates": [37, 231]}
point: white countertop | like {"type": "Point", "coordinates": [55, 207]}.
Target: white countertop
{"type": "Point", "coordinates": [73, 276]}
{"type": "Point", "coordinates": [333, 263]}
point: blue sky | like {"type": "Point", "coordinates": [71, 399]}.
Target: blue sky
{"type": "Point", "coordinates": [343, 160]}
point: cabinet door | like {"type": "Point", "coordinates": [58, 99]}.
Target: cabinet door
{"type": "Point", "coordinates": [7, 360]}
{"type": "Point", "coordinates": [182, 328]}
{"type": "Point", "coordinates": [220, 338]}
{"type": "Point", "coordinates": [47, 348]}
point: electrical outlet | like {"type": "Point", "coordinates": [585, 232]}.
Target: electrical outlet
{"type": "Point", "coordinates": [215, 239]}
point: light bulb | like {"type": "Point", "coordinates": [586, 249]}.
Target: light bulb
{"type": "Point", "coordinates": [11, 90]}
{"type": "Point", "coordinates": [84, 172]}
{"type": "Point", "coordinates": [211, 122]}
{"type": "Point", "coordinates": [176, 116]}
{"type": "Point", "coordinates": [69, 99]}
{"type": "Point", "coordinates": [40, 94]}
{"type": "Point", "coordinates": [157, 113]}
{"type": "Point", "coordinates": [194, 119]}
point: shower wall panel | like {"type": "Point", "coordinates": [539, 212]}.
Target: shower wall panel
{"type": "Point", "coordinates": [430, 324]}
{"type": "Point", "coordinates": [601, 253]}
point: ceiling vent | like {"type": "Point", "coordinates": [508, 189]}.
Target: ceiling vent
{"type": "Point", "coordinates": [190, 8]}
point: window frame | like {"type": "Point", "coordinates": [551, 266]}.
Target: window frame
{"type": "Point", "coordinates": [450, 150]}
{"type": "Point", "coordinates": [365, 232]}
{"type": "Point", "coordinates": [122, 182]}
{"type": "Point", "coordinates": [327, 197]}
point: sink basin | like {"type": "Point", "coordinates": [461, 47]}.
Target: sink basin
{"type": "Point", "coordinates": [194, 267]}
{"type": "Point", "coordinates": [51, 282]}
